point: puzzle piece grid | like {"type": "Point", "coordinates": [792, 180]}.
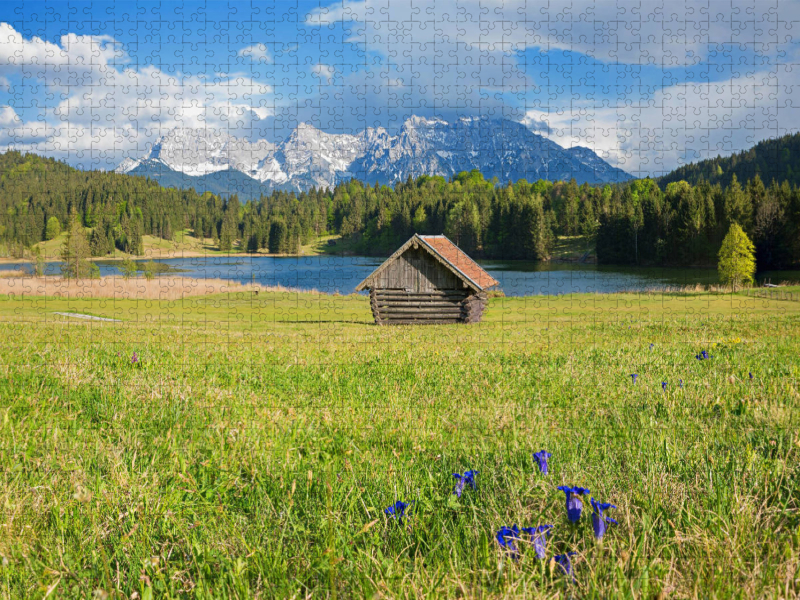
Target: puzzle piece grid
{"type": "Point", "coordinates": [473, 58]}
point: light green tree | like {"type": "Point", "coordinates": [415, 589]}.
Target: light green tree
{"type": "Point", "coordinates": [150, 270]}
{"type": "Point", "coordinates": [737, 263]}
{"type": "Point", "coordinates": [128, 268]}
{"type": "Point", "coordinates": [420, 220]}
{"type": "Point", "coordinates": [75, 252]}
{"type": "Point", "coordinates": [53, 229]}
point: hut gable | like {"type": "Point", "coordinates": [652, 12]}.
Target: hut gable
{"type": "Point", "coordinates": [453, 255]}
{"type": "Point", "coordinates": [428, 280]}
{"type": "Point", "coordinates": [430, 256]}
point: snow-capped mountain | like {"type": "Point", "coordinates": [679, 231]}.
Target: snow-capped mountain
{"type": "Point", "coordinates": [310, 157]}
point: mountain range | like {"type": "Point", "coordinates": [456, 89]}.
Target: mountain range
{"type": "Point", "coordinates": [216, 161]}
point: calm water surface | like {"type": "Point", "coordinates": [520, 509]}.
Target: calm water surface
{"type": "Point", "coordinates": [341, 274]}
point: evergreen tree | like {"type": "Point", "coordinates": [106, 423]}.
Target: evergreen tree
{"type": "Point", "coordinates": [737, 205]}
{"type": "Point", "coordinates": [277, 237]}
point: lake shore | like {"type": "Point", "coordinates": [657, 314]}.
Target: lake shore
{"type": "Point", "coordinates": [172, 287]}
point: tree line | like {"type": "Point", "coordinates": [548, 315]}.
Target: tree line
{"type": "Point", "coordinates": [644, 222]}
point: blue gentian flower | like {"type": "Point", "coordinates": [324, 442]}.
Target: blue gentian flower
{"type": "Point", "coordinates": [563, 561]}
{"type": "Point", "coordinates": [663, 385]}
{"type": "Point", "coordinates": [703, 355]}
{"type": "Point", "coordinates": [539, 538]}
{"type": "Point", "coordinates": [651, 346]}
{"type": "Point", "coordinates": [680, 382]}
{"type": "Point", "coordinates": [751, 374]}
{"type": "Point", "coordinates": [398, 510]}
{"type": "Point", "coordinates": [506, 537]}
{"type": "Point", "coordinates": [541, 457]}
{"type": "Point", "coordinates": [634, 376]}
{"type": "Point", "coordinates": [467, 478]}
{"type": "Point", "coordinates": [574, 504]}
{"type": "Point", "coordinates": [599, 521]}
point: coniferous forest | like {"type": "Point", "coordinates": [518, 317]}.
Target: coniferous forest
{"type": "Point", "coordinates": [669, 222]}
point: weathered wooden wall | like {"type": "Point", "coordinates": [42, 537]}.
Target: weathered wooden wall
{"type": "Point", "coordinates": [417, 271]}
{"type": "Point", "coordinates": [401, 307]}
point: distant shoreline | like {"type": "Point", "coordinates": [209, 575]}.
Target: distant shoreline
{"type": "Point", "coordinates": [176, 254]}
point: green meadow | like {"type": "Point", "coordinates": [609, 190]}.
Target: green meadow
{"type": "Point", "coordinates": [252, 448]}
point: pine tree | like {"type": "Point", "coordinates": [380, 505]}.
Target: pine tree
{"type": "Point", "coordinates": [738, 206]}
{"type": "Point", "coordinates": [737, 263]}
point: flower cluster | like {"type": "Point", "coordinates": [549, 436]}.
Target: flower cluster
{"type": "Point", "coordinates": [704, 355]}
{"type": "Point", "coordinates": [510, 538]}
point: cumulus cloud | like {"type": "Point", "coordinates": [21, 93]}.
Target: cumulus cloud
{"type": "Point", "coordinates": [492, 58]}
{"type": "Point", "coordinates": [110, 108]}
{"type": "Point", "coordinates": [258, 52]}
{"type": "Point", "coordinates": [720, 77]}
{"type": "Point", "coordinates": [681, 123]}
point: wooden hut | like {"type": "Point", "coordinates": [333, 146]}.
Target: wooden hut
{"type": "Point", "coordinates": [428, 280]}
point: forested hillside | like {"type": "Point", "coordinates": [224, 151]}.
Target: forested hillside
{"type": "Point", "coordinates": [772, 160]}
{"type": "Point", "coordinates": [513, 222]}
{"type": "Point", "coordinates": [685, 224]}
{"type": "Point", "coordinates": [634, 223]}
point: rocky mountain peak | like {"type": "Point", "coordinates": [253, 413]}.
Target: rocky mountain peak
{"type": "Point", "coordinates": [310, 157]}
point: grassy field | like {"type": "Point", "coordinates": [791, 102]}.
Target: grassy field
{"type": "Point", "coordinates": [252, 447]}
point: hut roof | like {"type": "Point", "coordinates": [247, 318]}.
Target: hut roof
{"type": "Point", "coordinates": [448, 254]}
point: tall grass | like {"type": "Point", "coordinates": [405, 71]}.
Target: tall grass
{"type": "Point", "coordinates": [251, 449]}
{"type": "Point", "coordinates": [113, 287]}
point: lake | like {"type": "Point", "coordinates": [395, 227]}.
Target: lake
{"type": "Point", "coordinates": [340, 274]}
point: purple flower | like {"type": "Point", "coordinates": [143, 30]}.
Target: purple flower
{"type": "Point", "coordinates": [563, 561]}
{"type": "Point", "coordinates": [651, 346]}
{"type": "Point", "coordinates": [467, 478]}
{"type": "Point", "coordinates": [663, 385]}
{"type": "Point", "coordinates": [398, 510]}
{"type": "Point", "coordinates": [751, 374]}
{"type": "Point", "coordinates": [541, 457]}
{"type": "Point", "coordinates": [539, 538]}
{"type": "Point", "coordinates": [574, 504]}
{"type": "Point", "coordinates": [506, 537]}
{"type": "Point", "coordinates": [680, 382]}
{"type": "Point", "coordinates": [634, 376]}
{"type": "Point", "coordinates": [134, 358]}
{"type": "Point", "coordinates": [703, 355]}
{"type": "Point", "coordinates": [599, 521]}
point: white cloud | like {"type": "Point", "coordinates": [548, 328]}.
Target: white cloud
{"type": "Point", "coordinates": [628, 31]}
{"type": "Point", "coordinates": [324, 72]}
{"type": "Point", "coordinates": [481, 56]}
{"type": "Point", "coordinates": [108, 108]}
{"type": "Point", "coordinates": [8, 117]}
{"type": "Point", "coordinates": [258, 52]}
{"type": "Point", "coordinates": [681, 123]}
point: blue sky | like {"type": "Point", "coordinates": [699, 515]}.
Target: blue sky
{"type": "Point", "coordinates": [647, 85]}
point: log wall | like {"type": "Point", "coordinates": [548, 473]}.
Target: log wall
{"type": "Point", "coordinates": [401, 307]}
{"type": "Point", "coordinates": [416, 270]}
